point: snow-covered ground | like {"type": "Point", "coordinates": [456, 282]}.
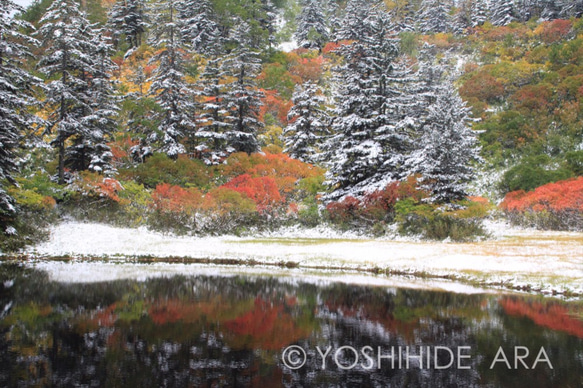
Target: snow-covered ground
{"type": "Point", "coordinates": [542, 261]}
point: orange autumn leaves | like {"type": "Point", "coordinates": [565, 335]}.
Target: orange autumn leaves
{"type": "Point", "coordinates": [563, 196]}
{"type": "Point", "coordinates": [258, 182]}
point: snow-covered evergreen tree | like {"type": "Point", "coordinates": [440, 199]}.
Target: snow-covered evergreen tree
{"type": "Point", "coordinates": [213, 127]}
{"type": "Point", "coordinates": [433, 16]}
{"type": "Point", "coordinates": [571, 8]}
{"type": "Point", "coordinates": [309, 123]}
{"type": "Point", "coordinates": [16, 96]}
{"type": "Point", "coordinates": [102, 122]}
{"type": "Point", "coordinates": [242, 97]}
{"type": "Point", "coordinates": [480, 12]}
{"type": "Point", "coordinates": [311, 22]}
{"type": "Point", "coordinates": [502, 12]}
{"type": "Point", "coordinates": [67, 61]}
{"type": "Point", "coordinates": [268, 21]}
{"type": "Point", "coordinates": [373, 112]}
{"type": "Point", "coordinates": [403, 15]}
{"type": "Point", "coordinates": [462, 19]}
{"type": "Point", "coordinates": [447, 148]}
{"type": "Point", "coordinates": [332, 16]}
{"type": "Point", "coordinates": [200, 30]}
{"type": "Point", "coordinates": [169, 88]}
{"type": "Point", "coordinates": [128, 18]}
{"type": "Point", "coordinates": [550, 9]}
{"type": "Point", "coordinates": [429, 79]}
{"type": "Point", "coordinates": [353, 26]}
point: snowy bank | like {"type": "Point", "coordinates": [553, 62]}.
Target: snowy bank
{"type": "Point", "coordinates": [548, 262]}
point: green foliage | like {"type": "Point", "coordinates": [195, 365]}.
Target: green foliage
{"type": "Point", "coordinates": [409, 42]}
{"type": "Point", "coordinates": [160, 168]}
{"type": "Point", "coordinates": [136, 202]}
{"type": "Point", "coordinates": [463, 222]}
{"type": "Point", "coordinates": [531, 173]}
{"type": "Point", "coordinates": [575, 161]}
{"type": "Point", "coordinates": [275, 76]}
{"type": "Point", "coordinates": [31, 225]}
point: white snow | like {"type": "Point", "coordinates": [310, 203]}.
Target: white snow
{"type": "Point", "coordinates": [544, 261]}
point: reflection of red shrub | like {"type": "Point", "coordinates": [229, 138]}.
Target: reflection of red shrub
{"type": "Point", "coordinates": [267, 326]}
{"type": "Point", "coordinates": [551, 315]}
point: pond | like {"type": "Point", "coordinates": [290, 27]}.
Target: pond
{"type": "Point", "coordinates": [236, 331]}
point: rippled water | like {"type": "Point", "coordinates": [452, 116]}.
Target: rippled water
{"type": "Point", "coordinates": [215, 331]}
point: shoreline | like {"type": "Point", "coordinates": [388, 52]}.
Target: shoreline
{"type": "Point", "coordinates": [548, 263]}
{"type": "Point", "coordinates": [258, 268]}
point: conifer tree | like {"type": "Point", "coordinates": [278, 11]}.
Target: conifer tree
{"type": "Point", "coordinates": [69, 63]}
{"type": "Point", "coordinates": [462, 18]}
{"type": "Point", "coordinates": [373, 113]}
{"type": "Point", "coordinates": [169, 87]}
{"type": "Point", "coordinates": [213, 127]}
{"type": "Point", "coordinates": [16, 96]}
{"type": "Point", "coordinates": [200, 30]}
{"type": "Point", "coordinates": [480, 12]}
{"type": "Point", "coordinates": [571, 8]}
{"type": "Point", "coordinates": [353, 26]}
{"type": "Point", "coordinates": [242, 97]}
{"type": "Point", "coordinates": [332, 17]}
{"type": "Point", "coordinates": [308, 123]}
{"type": "Point", "coordinates": [311, 31]}
{"type": "Point", "coordinates": [550, 9]}
{"type": "Point", "coordinates": [434, 16]}
{"type": "Point", "coordinates": [104, 105]}
{"type": "Point", "coordinates": [128, 18]}
{"type": "Point", "coordinates": [447, 148]}
{"type": "Point", "coordinates": [403, 14]}
{"type": "Point", "coordinates": [502, 12]}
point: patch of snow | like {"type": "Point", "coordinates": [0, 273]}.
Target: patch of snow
{"type": "Point", "coordinates": [288, 46]}
{"type": "Point", "coordinates": [516, 257]}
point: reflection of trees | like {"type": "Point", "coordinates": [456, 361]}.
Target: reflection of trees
{"type": "Point", "coordinates": [215, 331]}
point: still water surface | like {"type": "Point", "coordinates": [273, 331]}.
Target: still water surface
{"type": "Point", "coordinates": [213, 331]}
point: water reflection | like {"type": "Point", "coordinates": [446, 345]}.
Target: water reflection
{"type": "Point", "coordinates": [231, 331]}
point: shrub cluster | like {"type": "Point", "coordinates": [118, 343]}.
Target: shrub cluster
{"type": "Point", "coordinates": [404, 204]}
{"type": "Point", "coordinates": [556, 206]}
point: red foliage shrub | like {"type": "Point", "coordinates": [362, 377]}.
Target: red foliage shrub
{"type": "Point", "coordinates": [377, 205]}
{"type": "Point", "coordinates": [380, 202]}
{"type": "Point", "coordinates": [274, 104]}
{"type": "Point", "coordinates": [283, 169]}
{"type": "Point", "coordinates": [261, 190]}
{"type": "Point", "coordinates": [483, 87]}
{"type": "Point", "coordinates": [534, 98]}
{"type": "Point", "coordinates": [345, 210]}
{"type": "Point", "coordinates": [555, 30]}
{"type": "Point", "coordinates": [175, 199]}
{"type": "Point", "coordinates": [331, 47]}
{"type": "Point", "coordinates": [93, 184]}
{"type": "Point", "coordinates": [308, 69]}
{"type": "Point", "coordinates": [555, 197]}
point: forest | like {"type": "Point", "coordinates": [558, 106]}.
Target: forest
{"type": "Point", "coordinates": [206, 117]}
